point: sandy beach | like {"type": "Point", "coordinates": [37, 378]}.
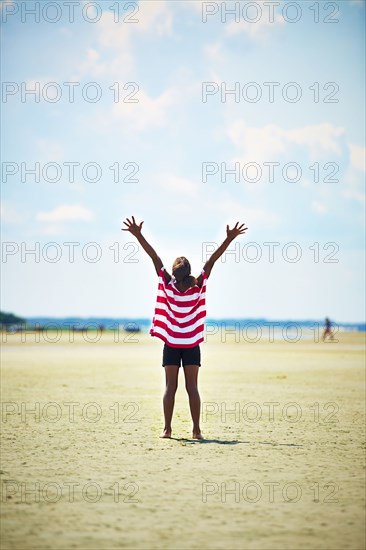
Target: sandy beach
{"type": "Point", "coordinates": [281, 466]}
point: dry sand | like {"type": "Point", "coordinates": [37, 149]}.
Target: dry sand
{"type": "Point", "coordinates": [285, 470]}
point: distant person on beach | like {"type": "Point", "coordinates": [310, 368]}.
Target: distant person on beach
{"type": "Point", "coordinates": [327, 329]}
{"type": "Point", "coordinates": [179, 321]}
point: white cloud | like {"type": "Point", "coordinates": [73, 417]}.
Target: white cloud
{"type": "Point", "coordinates": [5, 4]}
{"type": "Point", "coordinates": [357, 157]}
{"type": "Point", "coordinates": [257, 30]}
{"type": "Point", "coordinates": [319, 207]}
{"type": "Point", "coordinates": [214, 51]}
{"type": "Point", "coordinates": [98, 64]}
{"type": "Point", "coordinates": [268, 142]}
{"type": "Point", "coordinates": [113, 55]}
{"type": "Point", "coordinates": [230, 209]}
{"type": "Point", "coordinates": [40, 85]}
{"type": "Point", "coordinates": [196, 5]}
{"type": "Point", "coordinates": [112, 35]}
{"type": "Point", "coordinates": [323, 137]}
{"type": "Point", "coordinates": [257, 143]}
{"type": "Point", "coordinates": [148, 112]}
{"type": "Point", "coordinates": [354, 176]}
{"type": "Point", "coordinates": [166, 109]}
{"type": "Point", "coordinates": [182, 186]}
{"type": "Point", "coordinates": [155, 16]}
{"type": "Point", "coordinates": [355, 194]}
{"type": "Point", "coordinates": [9, 214]}
{"type": "Point", "coordinates": [53, 229]}
{"type": "Point", "coordinates": [50, 150]}
{"type": "Point", "coordinates": [66, 212]}
{"type": "Point", "coordinates": [65, 32]}
{"type": "Point", "coordinates": [253, 19]}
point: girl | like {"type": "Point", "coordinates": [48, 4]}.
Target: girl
{"type": "Point", "coordinates": [179, 321]}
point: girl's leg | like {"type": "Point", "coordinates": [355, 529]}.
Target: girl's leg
{"type": "Point", "coordinates": [191, 374]}
{"type": "Point", "coordinates": [171, 379]}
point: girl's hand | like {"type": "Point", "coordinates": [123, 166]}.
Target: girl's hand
{"type": "Point", "coordinates": [235, 231]}
{"type": "Point", "coordinates": [132, 227]}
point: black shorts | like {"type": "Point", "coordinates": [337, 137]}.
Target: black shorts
{"type": "Point", "coordinates": [188, 356]}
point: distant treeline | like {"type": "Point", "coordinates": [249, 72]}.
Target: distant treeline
{"type": "Point", "coordinates": [12, 322]}
{"type": "Point", "coordinates": [9, 319]}
{"type": "Point", "coordinates": [128, 323]}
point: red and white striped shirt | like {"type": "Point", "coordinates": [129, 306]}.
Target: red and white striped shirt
{"type": "Point", "coordinates": [179, 316]}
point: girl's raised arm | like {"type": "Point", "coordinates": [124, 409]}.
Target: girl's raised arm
{"type": "Point", "coordinates": [135, 229]}
{"type": "Point", "coordinates": [231, 234]}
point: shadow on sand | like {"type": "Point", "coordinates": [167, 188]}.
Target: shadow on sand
{"type": "Point", "coordinates": [234, 442]}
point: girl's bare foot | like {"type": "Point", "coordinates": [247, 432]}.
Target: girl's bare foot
{"type": "Point", "coordinates": [197, 435]}
{"type": "Point", "coordinates": [167, 434]}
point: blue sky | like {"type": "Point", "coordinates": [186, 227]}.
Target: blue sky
{"type": "Point", "coordinates": [168, 134]}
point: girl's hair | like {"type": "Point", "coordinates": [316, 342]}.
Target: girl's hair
{"type": "Point", "coordinates": [182, 272]}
